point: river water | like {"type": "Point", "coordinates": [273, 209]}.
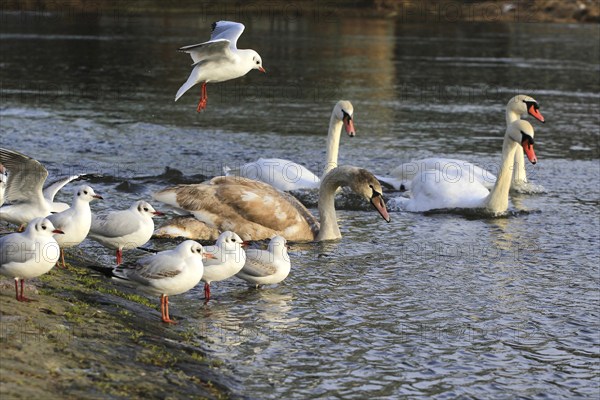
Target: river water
{"type": "Point", "coordinates": [430, 305]}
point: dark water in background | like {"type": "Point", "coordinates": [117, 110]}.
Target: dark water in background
{"type": "Point", "coordinates": [428, 305]}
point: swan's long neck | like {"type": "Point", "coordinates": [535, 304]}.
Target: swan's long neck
{"type": "Point", "coordinates": [497, 200]}
{"type": "Point", "coordinates": [329, 229]}
{"type": "Point", "coordinates": [333, 144]}
{"type": "Point", "coordinates": [519, 175]}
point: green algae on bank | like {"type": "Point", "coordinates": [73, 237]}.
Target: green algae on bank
{"type": "Point", "coordinates": [83, 338]}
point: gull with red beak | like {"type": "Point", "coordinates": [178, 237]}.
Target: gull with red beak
{"type": "Point", "coordinates": [166, 273]}
{"type": "Point", "coordinates": [219, 59]}
{"type": "Point", "coordinates": [76, 220]}
{"type": "Point", "coordinates": [29, 254]}
{"type": "Point", "coordinates": [124, 229]}
{"type": "Point", "coordinates": [287, 175]}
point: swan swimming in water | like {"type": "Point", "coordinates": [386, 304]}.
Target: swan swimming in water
{"type": "Point", "coordinates": [400, 177]}
{"type": "Point", "coordinates": [431, 191]}
{"type": "Point", "coordinates": [287, 175]}
{"type": "Point", "coordinates": [256, 210]}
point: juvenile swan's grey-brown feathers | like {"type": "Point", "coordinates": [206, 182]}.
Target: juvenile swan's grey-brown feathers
{"type": "Point", "coordinates": [255, 210]}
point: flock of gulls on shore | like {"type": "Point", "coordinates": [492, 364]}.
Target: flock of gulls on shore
{"type": "Point", "coordinates": [250, 203]}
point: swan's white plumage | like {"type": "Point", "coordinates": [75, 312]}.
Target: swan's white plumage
{"type": "Point", "coordinates": [287, 175]}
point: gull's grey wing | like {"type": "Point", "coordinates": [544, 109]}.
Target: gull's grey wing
{"type": "Point", "coordinates": [115, 224]}
{"type": "Point", "coordinates": [258, 268]}
{"type": "Point", "coordinates": [15, 248]}
{"type": "Point", "coordinates": [26, 177]}
{"type": "Point", "coordinates": [152, 268]}
{"type": "Point", "coordinates": [227, 30]}
{"type": "Point", "coordinates": [207, 50]}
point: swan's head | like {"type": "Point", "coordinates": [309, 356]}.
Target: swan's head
{"type": "Point", "coordinates": [344, 112]}
{"type": "Point", "coordinates": [521, 132]}
{"type": "Point", "coordinates": [366, 185]}
{"type": "Point", "coordinates": [522, 104]}
{"type": "Point", "coordinates": [257, 61]}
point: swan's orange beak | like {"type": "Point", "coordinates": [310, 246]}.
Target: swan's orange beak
{"type": "Point", "coordinates": [349, 125]}
{"type": "Point", "coordinates": [379, 204]}
{"type": "Point", "coordinates": [535, 113]}
{"type": "Point", "coordinates": [528, 149]}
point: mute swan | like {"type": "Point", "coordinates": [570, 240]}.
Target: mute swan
{"type": "Point", "coordinates": [287, 175]}
{"type": "Point", "coordinates": [229, 258]}
{"type": "Point", "coordinates": [256, 210]}
{"type": "Point", "coordinates": [24, 194]}
{"type": "Point", "coordinates": [76, 220]}
{"type": "Point", "coordinates": [124, 229]}
{"type": "Point", "coordinates": [219, 59]}
{"type": "Point", "coordinates": [401, 176]}
{"type": "Point", "coordinates": [430, 191]}
{"type": "Point", "coordinates": [166, 273]}
{"type": "Point", "coordinates": [29, 254]}
{"type": "Point", "coordinates": [267, 267]}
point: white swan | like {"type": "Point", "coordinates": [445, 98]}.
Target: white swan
{"type": "Point", "coordinates": [431, 191]}
{"type": "Point", "coordinates": [401, 176]}
{"type": "Point", "coordinates": [256, 210]}
{"type": "Point", "coordinates": [287, 175]}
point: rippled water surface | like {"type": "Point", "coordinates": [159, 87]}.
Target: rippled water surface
{"type": "Point", "coordinates": [428, 305]}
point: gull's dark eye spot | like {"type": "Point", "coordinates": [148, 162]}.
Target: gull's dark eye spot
{"type": "Point", "coordinates": [44, 227]}
{"type": "Point", "coordinates": [233, 239]}
{"type": "Point", "coordinates": [85, 192]}
{"type": "Point", "coordinates": [145, 208]}
{"type": "Point", "coordinates": [258, 62]}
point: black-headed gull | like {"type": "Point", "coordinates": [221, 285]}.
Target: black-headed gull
{"type": "Point", "coordinates": [24, 189]}
{"type": "Point", "coordinates": [76, 220]}
{"type": "Point", "coordinates": [266, 267]}
{"type": "Point", "coordinates": [229, 258]}
{"type": "Point", "coordinates": [219, 59]}
{"type": "Point", "coordinates": [125, 229]}
{"type": "Point", "coordinates": [29, 254]}
{"type": "Point", "coordinates": [166, 273]}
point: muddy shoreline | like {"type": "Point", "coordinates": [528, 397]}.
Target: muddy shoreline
{"type": "Point", "coordinates": [83, 335]}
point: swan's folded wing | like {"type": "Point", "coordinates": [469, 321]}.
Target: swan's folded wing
{"type": "Point", "coordinates": [260, 202]}
{"type": "Point", "coordinates": [26, 177]}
